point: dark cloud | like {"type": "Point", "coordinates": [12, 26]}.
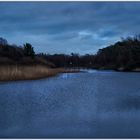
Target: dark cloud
{"type": "Point", "coordinates": [65, 27]}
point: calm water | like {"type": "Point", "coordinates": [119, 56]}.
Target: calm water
{"type": "Point", "coordinates": [95, 104]}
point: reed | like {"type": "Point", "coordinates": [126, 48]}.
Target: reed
{"type": "Point", "coordinates": [26, 72]}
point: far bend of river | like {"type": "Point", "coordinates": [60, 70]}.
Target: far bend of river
{"type": "Point", "coordinates": [94, 104]}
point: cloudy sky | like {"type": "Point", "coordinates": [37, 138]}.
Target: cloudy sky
{"type": "Point", "coordinates": [65, 27]}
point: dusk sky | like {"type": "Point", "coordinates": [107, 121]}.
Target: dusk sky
{"type": "Point", "coordinates": [65, 27]}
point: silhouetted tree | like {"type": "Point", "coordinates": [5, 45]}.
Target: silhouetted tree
{"type": "Point", "coordinates": [29, 50]}
{"type": "Point", "coordinates": [3, 41]}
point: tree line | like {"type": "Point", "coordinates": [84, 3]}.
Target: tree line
{"type": "Point", "coordinates": [124, 54]}
{"type": "Point", "coordinates": [14, 51]}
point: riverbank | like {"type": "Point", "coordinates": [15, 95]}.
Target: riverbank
{"type": "Point", "coordinates": [29, 72]}
{"type": "Point", "coordinates": [34, 72]}
{"type": "Point", "coordinates": [128, 70]}
{"type": "Point", "coordinates": [119, 69]}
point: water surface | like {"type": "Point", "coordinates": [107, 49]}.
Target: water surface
{"type": "Point", "coordinates": [95, 104]}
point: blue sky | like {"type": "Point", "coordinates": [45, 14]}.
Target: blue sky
{"type": "Point", "coordinates": [65, 27]}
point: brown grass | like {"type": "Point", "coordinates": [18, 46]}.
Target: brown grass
{"type": "Point", "coordinates": [13, 72]}
{"type": "Point", "coordinates": [26, 72]}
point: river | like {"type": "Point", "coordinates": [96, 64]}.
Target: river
{"type": "Point", "coordinates": [93, 104]}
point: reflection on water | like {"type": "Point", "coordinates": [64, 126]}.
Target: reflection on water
{"type": "Point", "coordinates": [95, 104]}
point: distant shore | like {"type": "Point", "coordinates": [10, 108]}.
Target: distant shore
{"type": "Point", "coordinates": [125, 70]}
{"type": "Point", "coordinates": [30, 72]}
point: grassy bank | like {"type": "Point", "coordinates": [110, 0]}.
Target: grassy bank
{"type": "Point", "coordinates": [29, 72]}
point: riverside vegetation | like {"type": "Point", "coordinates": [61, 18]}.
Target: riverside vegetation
{"type": "Point", "coordinates": [21, 62]}
{"type": "Point", "coordinates": [124, 55]}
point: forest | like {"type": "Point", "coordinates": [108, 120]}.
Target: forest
{"type": "Point", "coordinates": [124, 55]}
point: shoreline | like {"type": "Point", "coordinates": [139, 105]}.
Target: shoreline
{"type": "Point", "coordinates": [30, 72]}
{"type": "Point", "coordinates": [36, 72]}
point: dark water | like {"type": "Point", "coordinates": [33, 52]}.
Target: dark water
{"type": "Point", "coordinates": [96, 104]}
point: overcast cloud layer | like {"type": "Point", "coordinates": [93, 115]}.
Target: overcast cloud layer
{"type": "Point", "coordinates": [65, 27]}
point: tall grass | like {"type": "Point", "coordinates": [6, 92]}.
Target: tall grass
{"type": "Point", "coordinates": [26, 72]}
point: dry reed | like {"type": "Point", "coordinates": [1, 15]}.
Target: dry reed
{"type": "Point", "coordinates": [25, 72]}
